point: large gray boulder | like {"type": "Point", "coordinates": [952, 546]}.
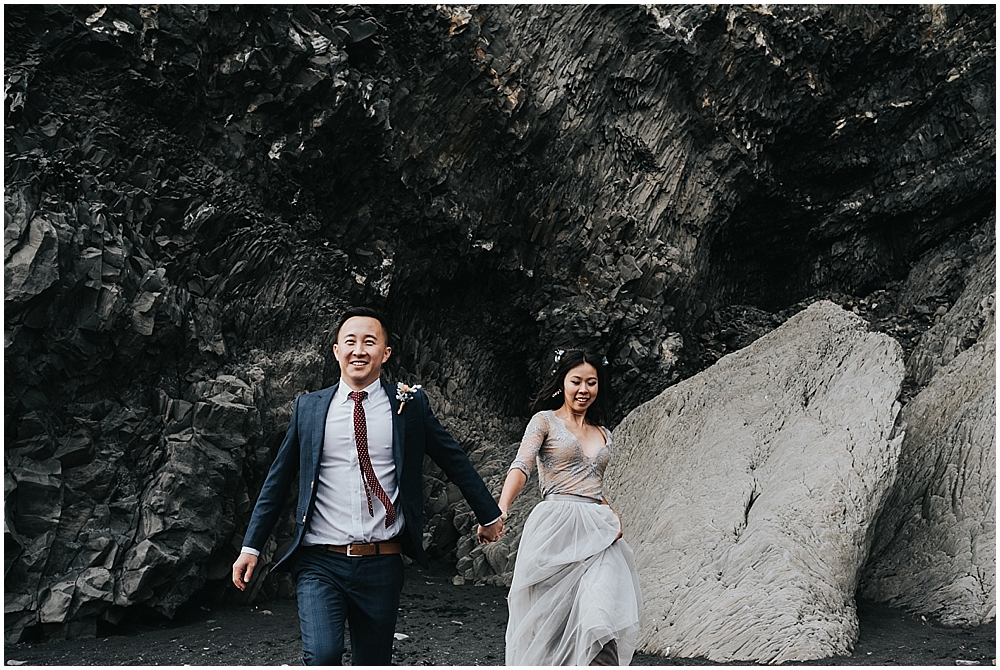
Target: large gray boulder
{"type": "Point", "coordinates": [935, 548]}
{"type": "Point", "coordinates": [749, 492]}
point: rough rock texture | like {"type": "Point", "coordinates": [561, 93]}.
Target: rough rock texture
{"type": "Point", "coordinates": [194, 193]}
{"type": "Point", "coordinates": [494, 563]}
{"type": "Point", "coordinates": [935, 552]}
{"type": "Point", "coordinates": [749, 491]}
{"type": "Point", "coordinates": [90, 533]}
{"type": "Point", "coordinates": [967, 319]}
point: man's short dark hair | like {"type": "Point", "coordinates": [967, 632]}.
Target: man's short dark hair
{"type": "Point", "coordinates": [369, 312]}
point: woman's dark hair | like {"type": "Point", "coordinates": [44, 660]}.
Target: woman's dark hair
{"type": "Point", "coordinates": [551, 396]}
{"type": "Point", "coordinates": [370, 312]}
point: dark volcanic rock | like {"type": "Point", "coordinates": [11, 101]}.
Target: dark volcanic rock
{"type": "Point", "coordinates": [193, 194]}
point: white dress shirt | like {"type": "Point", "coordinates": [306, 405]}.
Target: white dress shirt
{"type": "Point", "coordinates": [341, 515]}
{"type": "Point", "coordinates": [341, 512]}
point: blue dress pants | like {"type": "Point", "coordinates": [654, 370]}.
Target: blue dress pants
{"type": "Point", "coordinates": [362, 592]}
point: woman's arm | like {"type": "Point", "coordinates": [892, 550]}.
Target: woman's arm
{"type": "Point", "coordinates": [517, 476]}
{"type": "Point", "coordinates": [531, 444]}
{"type": "Point", "coordinates": [512, 486]}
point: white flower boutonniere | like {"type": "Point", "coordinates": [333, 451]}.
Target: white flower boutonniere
{"type": "Point", "coordinates": [404, 394]}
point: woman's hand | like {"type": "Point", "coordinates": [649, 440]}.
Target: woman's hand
{"type": "Point", "coordinates": [621, 526]}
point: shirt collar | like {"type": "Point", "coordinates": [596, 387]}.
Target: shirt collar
{"type": "Point", "coordinates": [343, 390]}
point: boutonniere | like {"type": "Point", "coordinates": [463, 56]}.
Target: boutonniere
{"type": "Point", "coordinates": [404, 394]}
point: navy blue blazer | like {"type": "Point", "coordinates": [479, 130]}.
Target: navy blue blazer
{"type": "Point", "coordinates": [415, 432]}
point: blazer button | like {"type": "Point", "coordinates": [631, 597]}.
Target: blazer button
{"type": "Point", "coordinates": [303, 518]}
{"type": "Point", "coordinates": [312, 484]}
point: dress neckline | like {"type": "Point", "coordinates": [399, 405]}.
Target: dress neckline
{"type": "Point", "coordinates": [579, 444]}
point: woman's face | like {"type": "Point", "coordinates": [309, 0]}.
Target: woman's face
{"type": "Point", "coordinates": [580, 387]}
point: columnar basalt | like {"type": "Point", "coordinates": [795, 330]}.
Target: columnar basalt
{"type": "Point", "coordinates": [194, 193]}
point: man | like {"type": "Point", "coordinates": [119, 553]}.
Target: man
{"type": "Point", "coordinates": [359, 457]}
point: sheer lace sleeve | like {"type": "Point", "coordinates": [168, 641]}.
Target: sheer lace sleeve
{"type": "Point", "coordinates": [534, 436]}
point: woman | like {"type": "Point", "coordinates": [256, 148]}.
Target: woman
{"type": "Point", "coordinates": [575, 595]}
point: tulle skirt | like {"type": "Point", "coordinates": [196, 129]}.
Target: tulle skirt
{"type": "Point", "coordinates": [574, 587]}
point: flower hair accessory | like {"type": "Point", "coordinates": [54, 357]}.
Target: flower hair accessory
{"type": "Point", "coordinates": [560, 352]}
{"type": "Point", "coordinates": [404, 394]}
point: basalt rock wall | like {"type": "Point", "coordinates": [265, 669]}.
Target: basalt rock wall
{"type": "Point", "coordinates": [193, 194]}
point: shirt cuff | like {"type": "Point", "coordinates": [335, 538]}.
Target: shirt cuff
{"type": "Point", "coordinates": [492, 522]}
{"type": "Point", "coordinates": [250, 550]}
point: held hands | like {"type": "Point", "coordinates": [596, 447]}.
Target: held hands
{"type": "Point", "coordinates": [490, 533]}
{"type": "Point", "coordinates": [243, 570]}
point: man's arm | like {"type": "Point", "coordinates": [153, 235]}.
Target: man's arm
{"type": "Point", "coordinates": [269, 502]}
{"type": "Point", "coordinates": [448, 454]}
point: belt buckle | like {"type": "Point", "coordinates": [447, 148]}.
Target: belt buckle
{"type": "Point", "coordinates": [350, 555]}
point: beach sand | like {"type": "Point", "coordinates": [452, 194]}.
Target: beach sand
{"type": "Point", "coordinates": [444, 624]}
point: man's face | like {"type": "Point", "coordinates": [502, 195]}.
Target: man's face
{"type": "Point", "coordinates": [361, 349]}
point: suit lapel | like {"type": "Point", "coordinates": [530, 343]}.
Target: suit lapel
{"type": "Point", "coordinates": [323, 400]}
{"type": "Point", "coordinates": [398, 430]}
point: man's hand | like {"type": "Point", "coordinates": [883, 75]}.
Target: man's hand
{"type": "Point", "coordinates": [243, 570]}
{"type": "Point", "coordinates": [490, 533]}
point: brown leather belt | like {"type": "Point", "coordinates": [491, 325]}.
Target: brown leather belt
{"type": "Point", "coordinates": [370, 549]}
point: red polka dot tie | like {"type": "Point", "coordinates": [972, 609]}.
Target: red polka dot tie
{"type": "Point", "coordinates": [365, 461]}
